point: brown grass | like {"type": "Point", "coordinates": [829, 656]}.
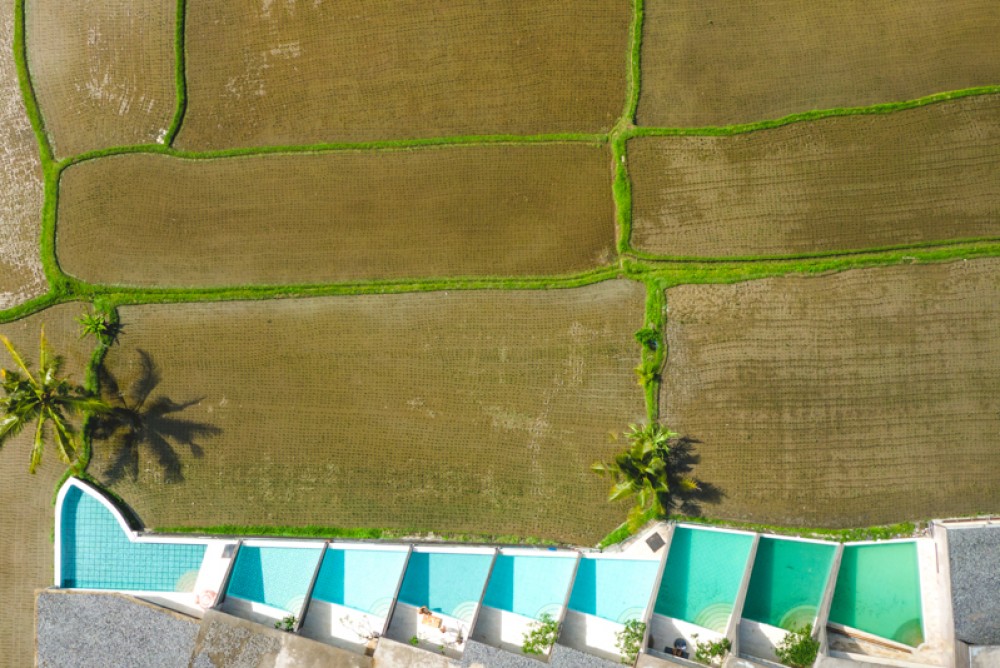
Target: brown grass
{"type": "Point", "coordinates": [463, 412]}
{"type": "Point", "coordinates": [103, 72]}
{"type": "Point", "coordinates": [21, 274]}
{"type": "Point", "coordinates": [866, 397]}
{"type": "Point", "coordinates": [926, 174]}
{"type": "Point", "coordinates": [316, 218]}
{"type": "Point", "coordinates": [718, 62]}
{"type": "Point", "coordinates": [281, 73]}
{"type": "Point", "coordinates": [26, 521]}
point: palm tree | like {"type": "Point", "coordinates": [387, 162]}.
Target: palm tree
{"type": "Point", "coordinates": [645, 471]}
{"type": "Point", "coordinates": [43, 398]}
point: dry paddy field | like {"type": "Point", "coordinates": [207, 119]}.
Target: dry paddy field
{"type": "Point", "coordinates": [26, 500]}
{"type": "Point", "coordinates": [717, 62]}
{"type": "Point", "coordinates": [301, 72]}
{"type": "Point", "coordinates": [103, 72]}
{"type": "Point", "coordinates": [21, 274]}
{"type": "Point", "coordinates": [844, 183]}
{"type": "Point", "coordinates": [153, 220]}
{"type": "Point", "coordinates": [449, 411]}
{"type": "Point", "coordinates": [870, 396]}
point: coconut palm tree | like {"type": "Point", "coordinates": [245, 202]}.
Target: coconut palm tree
{"type": "Point", "coordinates": [645, 471]}
{"type": "Point", "coordinates": [43, 398]}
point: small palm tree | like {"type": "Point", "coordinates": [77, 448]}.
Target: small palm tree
{"type": "Point", "coordinates": [43, 398]}
{"type": "Point", "coordinates": [99, 326]}
{"type": "Point", "coordinates": [643, 471]}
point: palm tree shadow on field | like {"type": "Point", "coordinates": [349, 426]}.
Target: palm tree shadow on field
{"type": "Point", "coordinates": [139, 421]}
{"type": "Point", "coordinates": [683, 460]}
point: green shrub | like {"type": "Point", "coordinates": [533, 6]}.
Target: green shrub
{"type": "Point", "coordinates": [712, 653]}
{"type": "Point", "coordinates": [286, 623]}
{"type": "Point", "coordinates": [542, 635]}
{"type": "Point", "coordinates": [629, 640]}
{"type": "Point", "coordinates": [649, 337]}
{"type": "Point", "coordinates": [799, 648]}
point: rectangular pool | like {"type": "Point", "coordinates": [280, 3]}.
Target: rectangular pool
{"type": "Point", "coordinates": [788, 580]}
{"type": "Point", "coordinates": [275, 576]}
{"type": "Point", "coordinates": [703, 575]}
{"type": "Point", "coordinates": [450, 583]}
{"type": "Point", "coordinates": [614, 589]}
{"type": "Point", "coordinates": [878, 591]}
{"type": "Point", "coordinates": [530, 585]}
{"type": "Point", "coordinates": [361, 579]}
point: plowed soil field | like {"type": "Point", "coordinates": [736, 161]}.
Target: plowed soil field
{"type": "Point", "coordinates": [451, 411]}
{"type": "Point", "coordinates": [718, 62]}
{"type": "Point", "coordinates": [870, 396]}
{"type": "Point", "coordinates": [298, 72]}
{"type": "Point", "coordinates": [21, 274]}
{"type": "Point", "coordinates": [27, 518]}
{"type": "Point", "coordinates": [281, 219]}
{"type": "Point", "coordinates": [103, 72]}
{"type": "Point", "coordinates": [845, 183]}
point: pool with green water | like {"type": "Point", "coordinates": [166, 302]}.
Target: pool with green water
{"type": "Point", "coordinates": [878, 591]}
{"type": "Point", "coordinates": [788, 581]}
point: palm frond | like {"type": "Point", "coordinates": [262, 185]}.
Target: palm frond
{"type": "Point", "coordinates": [36, 448]}
{"type": "Point", "coordinates": [17, 358]}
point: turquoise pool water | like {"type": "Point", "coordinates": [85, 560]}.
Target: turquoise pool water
{"type": "Point", "coordinates": [96, 553]}
{"type": "Point", "coordinates": [703, 575]}
{"type": "Point", "coordinates": [276, 576]}
{"type": "Point", "coordinates": [613, 589]}
{"type": "Point", "coordinates": [365, 580]}
{"type": "Point", "coordinates": [878, 591]}
{"type": "Point", "coordinates": [530, 586]}
{"type": "Point", "coordinates": [447, 582]}
{"type": "Point", "coordinates": [788, 581]}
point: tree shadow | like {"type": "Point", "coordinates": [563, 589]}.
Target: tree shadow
{"type": "Point", "coordinates": [682, 461]}
{"type": "Point", "coordinates": [139, 421]}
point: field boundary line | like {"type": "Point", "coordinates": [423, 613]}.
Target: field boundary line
{"type": "Point", "coordinates": [816, 114]}
{"type": "Point", "coordinates": [180, 74]}
{"type": "Point", "coordinates": [652, 257]}
{"type": "Point", "coordinates": [621, 185]}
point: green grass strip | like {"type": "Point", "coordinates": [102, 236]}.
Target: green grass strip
{"type": "Point", "coordinates": [621, 190]}
{"type": "Point", "coordinates": [634, 79]}
{"type": "Point", "coordinates": [817, 114]}
{"type": "Point", "coordinates": [654, 359]}
{"type": "Point", "coordinates": [313, 531]}
{"type": "Point", "coordinates": [180, 74]}
{"type": "Point", "coordinates": [27, 89]}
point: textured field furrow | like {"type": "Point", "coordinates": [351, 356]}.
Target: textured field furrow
{"type": "Point", "coordinates": [26, 500]}
{"type": "Point", "coordinates": [721, 62]}
{"type": "Point", "coordinates": [451, 411]}
{"type": "Point", "coordinates": [871, 396]}
{"type": "Point", "coordinates": [282, 73]}
{"type": "Point", "coordinates": [103, 72]}
{"type": "Point", "coordinates": [317, 218]}
{"type": "Point", "coordinates": [848, 183]}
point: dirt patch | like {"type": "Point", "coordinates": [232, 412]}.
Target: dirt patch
{"type": "Point", "coordinates": [847, 183]}
{"type": "Point", "coordinates": [451, 411]}
{"type": "Point", "coordinates": [866, 397]}
{"type": "Point", "coordinates": [317, 218]}
{"type": "Point", "coordinates": [26, 524]}
{"type": "Point", "coordinates": [720, 62]}
{"type": "Point", "coordinates": [298, 72]}
{"type": "Point", "coordinates": [103, 72]}
{"type": "Point", "coordinates": [21, 188]}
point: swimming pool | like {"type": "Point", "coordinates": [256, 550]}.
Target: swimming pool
{"type": "Point", "coordinates": [361, 579]}
{"type": "Point", "coordinates": [447, 582]}
{"type": "Point", "coordinates": [275, 576]}
{"type": "Point", "coordinates": [788, 581]}
{"type": "Point", "coordinates": [530, 585]}
{"type": "Point", "coordinates": [703, 575]}
{"type": "Point", "coordinates": [878, 591]}
{"type": "Point", "coordinates": [614, 589]}
{"type": "Point", "coordinates": [95, 552]}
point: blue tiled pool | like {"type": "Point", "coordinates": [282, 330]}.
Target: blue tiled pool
{"type": "Point", "coordinates": [275, 576]}
{"type": "Point", "coordinates": [447, 582]}
{"type": "Point", "coordinates": [96, 553]}
{"type": "Point", "coordinates": [364, 580]}
{"type": "Point", "coordinates": [614, 589]}
{"type": "Point", "coordinates": [530, 585]}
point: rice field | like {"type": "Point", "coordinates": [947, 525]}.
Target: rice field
{"type": "Point", "coordinates": [153, 220]}
{"type": "Point", "coordinates": [476, 411]}
{"type": "Point", "coordinates": [866, 397]}
{"type": "Point", "coordinates": [26, 522]}
{"type": "Point", "coordinates": [717, 62]}
{"type": "Point", "coordinates": [103, 72]}
{"type": "Point", "coordinates": [846, 183]}
{"type": "Point", "coordinates": [283, 73]}
{"type": "Point", "coordinates": [21, 274]}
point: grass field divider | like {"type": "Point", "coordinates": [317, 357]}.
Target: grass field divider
{"type": "Point", "coordinates": [634, 76]}
{"type": "Point", "coordinates": [654, 348]}
{"type": "Point", "coordinates": [180, 74]}
{"type": "Point", "coordinates": [720, 272]}
{"type": "Point", "coordinates": [814, 115]}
